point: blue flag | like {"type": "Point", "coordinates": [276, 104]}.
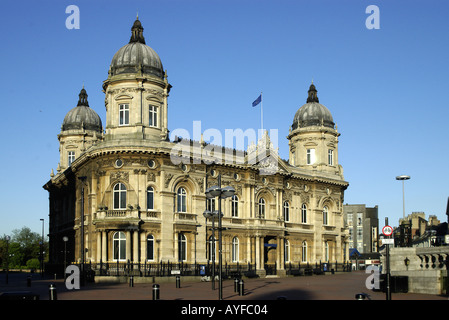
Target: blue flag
{"type": "Point", "coordinates": [257, 101]}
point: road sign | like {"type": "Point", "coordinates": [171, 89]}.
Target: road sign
{"type": "Point", "coordinates": [387, 231]}
{"type": "Point", "coordinates": [387, 241]}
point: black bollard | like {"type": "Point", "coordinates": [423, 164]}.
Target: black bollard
{"type": "Point", "coordinates": [360, 296]}
{"type": "Point", "coordinates": [52, 292]}
{"type": "Point", "coordinates": [178, 282]}
{"type": "Point", "coordinates": [29, 281]}
{"type": "Point", "coordinates": [131, 281]}
{"type": "Point", "coordinates": [236, 284]}
{"type": "Point", "coordinates": [241, 287]}
{"type": "Point", "coordinates": [156, 292]}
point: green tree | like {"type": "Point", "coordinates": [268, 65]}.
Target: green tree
{"type": "Point", "coordinates": [24, 246]}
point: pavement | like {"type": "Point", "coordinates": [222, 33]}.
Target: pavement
{"type": "Point", "coordinates": [338, 286]}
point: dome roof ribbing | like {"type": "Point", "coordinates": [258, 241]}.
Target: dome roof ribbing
{"type": "Point", "coordinates": [82, 116]}
{"type": "Point", "coordinates": [136, 56]}
{"type": "Point", "coordinates": [312, 113]}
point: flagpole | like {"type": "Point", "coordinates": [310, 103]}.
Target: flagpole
{"type": "Point", "coordinates": [261, 111]}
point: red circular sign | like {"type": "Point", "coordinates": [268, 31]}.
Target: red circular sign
{"type": "Point", "coordinates": [387, 231]}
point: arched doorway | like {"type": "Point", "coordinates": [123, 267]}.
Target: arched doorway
{"type": "Point", "coordinates": [270, 254]}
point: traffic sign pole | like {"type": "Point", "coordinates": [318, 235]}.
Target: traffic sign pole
{"type": "Point", "coordinates": [388, 289]}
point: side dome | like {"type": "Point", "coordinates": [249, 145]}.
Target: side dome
{"type": "Point", "coordinates": [312, 113]}
{"type": "Point", "coordinates": [82, 116]}
{"type": "Point", "coordinates": [136, 56]}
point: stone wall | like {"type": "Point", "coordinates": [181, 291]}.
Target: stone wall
{"type": "Point", "coordinates": [426, 269]}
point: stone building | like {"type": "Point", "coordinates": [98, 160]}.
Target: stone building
{"type": "Point", "coordinates": [118, 195]}
{"type": "Point", "coordinates": [363, 227]}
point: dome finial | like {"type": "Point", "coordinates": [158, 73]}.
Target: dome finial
{"type": "Point", "coordinates": [83, 98]}
{"type": "Point", "coordinates": [137, 32]}
{"type": "Point", "coordinates": [312, 94]}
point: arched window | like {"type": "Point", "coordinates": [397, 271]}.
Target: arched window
{"type": "Point", "coordinates": [234, 206]}
{"type": "Point", "coordinates": [325, 215]}
{"type": "Point", "coordinates": [150, 198]}
{"type": "Point", "coordinates": [182, 247]}
{"type": "Point", "coordinates": [304, 213]}
{"type": "Point", "coordinates": [261, 208]}
{"type": "Point", "coordinates": [212, 249]}
{"type": "Point", "coordinates": [286, 251]}
{"type": "Point", "coordinates": [119, 246]}
{"type": "Point", "coordinates": [119, 196]}
{"type": "Point", "coordinates": [182, 200]}
{"type": "Point", "coordinates": [150, 247]}
{"type": "Point", "coordinates": [304, 251]}
{"type": "Point", "coordinates": [235, 249]}
{"type": "Point", "coordinates": [286, 211]}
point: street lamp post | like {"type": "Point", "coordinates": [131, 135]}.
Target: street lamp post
{"type": "Point", "coordinates": [42, 249]}
{"type": "Point", "coordinates": [7, 238]}
{"type": "Point", "coordinates": [210, 214]}
{"type": "Point", "coordinates": [403, 178]}
{"type": "Point", "coordinates": [82, 179]}
{"type": "Point", "coordinates": [65, 239]}
{"type": "Point", "coordinates": [221, 193]}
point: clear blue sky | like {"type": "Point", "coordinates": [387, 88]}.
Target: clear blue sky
{"type": "Point", "coordinates": [387, 89]}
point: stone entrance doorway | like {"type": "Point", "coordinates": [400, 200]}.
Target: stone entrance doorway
{"type": "Point", "coordinates": [270, 251]}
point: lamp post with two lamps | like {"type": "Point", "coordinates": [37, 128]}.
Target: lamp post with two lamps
{"type": "Point", "coordinates": [221, 193]}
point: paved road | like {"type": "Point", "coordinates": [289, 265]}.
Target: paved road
{"type": "Point", "coordinates": [340, 286]}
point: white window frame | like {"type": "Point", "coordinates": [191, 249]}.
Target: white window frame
{"type": "Point", "coordinates": [123, 114]}
{"type": "Point", "coordinates": [286, 251]}
{"type": "Point", "coordinates": [153, 116]}
{"type": "Point", "coordinates": [150, 253]}
{"type": "Point", "coordinates": [181, 200]}
{"type": "Point", "coordinates": [304, 251]}
{"type": "Point", "coordinates": [325, 215]}
{"type": "Point", "coordinates": [286, 212]}
{"type": "Point", "coordinates": [120, 202]}
{"type": "Point", "coordinates": [330, 157]}
{"type": "Point", "coordinates": [235, 249]}
{"type": "Point", "coordinates": [119, 246]}
{"type": "Point", "coordinates": [182, 247]}
{"type": "Point", "coordinates": [311, 156]}
{"type": "Point", "coordinates": [70, 157]}
{"type": "Point", "coordinates": [150, 192]}
{"type": "Point", "coordinates": [304, 213]}
{"type": "Point", "coordinates": [235, 206]}
{"type": "Point", "coordinates": [261, 208]}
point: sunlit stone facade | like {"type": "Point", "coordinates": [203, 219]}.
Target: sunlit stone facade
{"type": "Point", "coordinates": [140, 205]}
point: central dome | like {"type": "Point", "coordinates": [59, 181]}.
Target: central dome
{"type": "Point", "coordinates": [312, 113]}
{"type": "Point", "coordinates": [136, 56]}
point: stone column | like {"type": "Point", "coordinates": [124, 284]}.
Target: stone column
{"type": "Point", "coordinates": [135, 246]}
{"type": "Point", "coordinates": [104, 245]}
{"type": "Point", "coordinates": [99, 234]}
{"type": "Point", "coordinates": [128, 246]}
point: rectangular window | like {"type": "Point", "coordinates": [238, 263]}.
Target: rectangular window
{"type": "Point", "coordinates": [124, 114]}
{"type": "Point", "coordinates": [71, 157]}
{"type": "Point", "coordinates": [359, 219]}
{"type": "Point", "coordinates": [359, 234]}
{"type": "Point", "coordinates": [310, 156]}
{"type": "Point", "coordinates": [330, 157]}
{"type": "Point", "coordinates": [153, 116]}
